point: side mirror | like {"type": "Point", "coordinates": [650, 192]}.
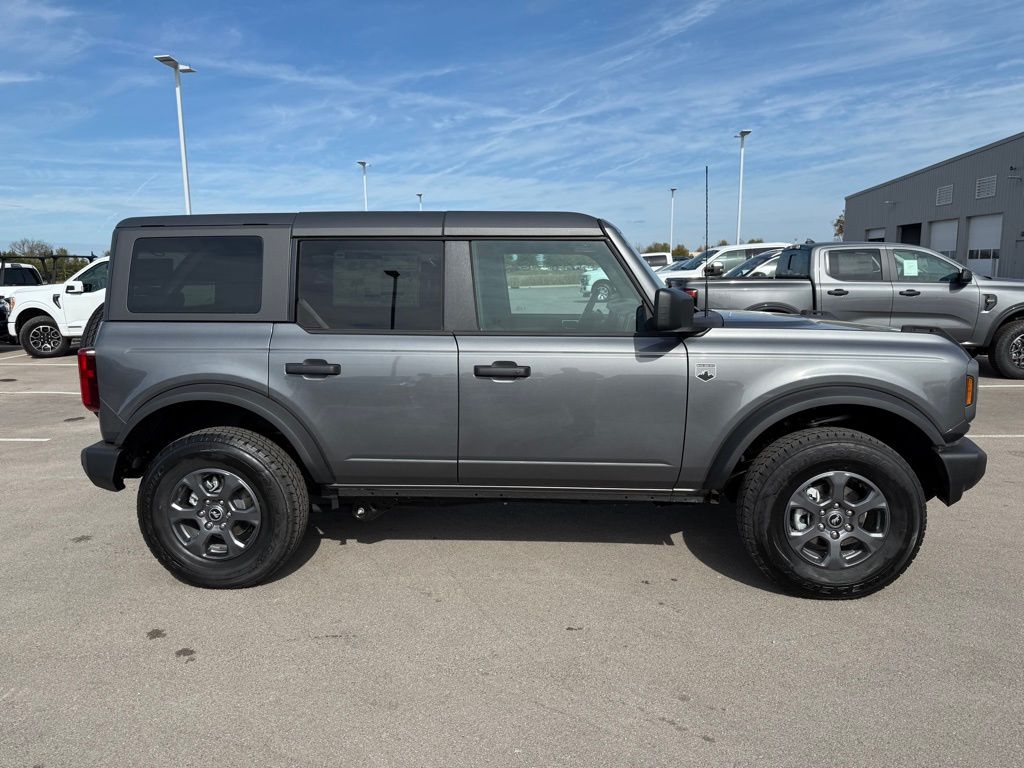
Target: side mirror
{"type": "Point", "coordinates": [714, 270]}
{"type": "Point", "coordinates": [673, 310]}
{"type": "Point", "coordinates": [965, 277]}
{"type": "Point", "coordinates": [74, 286]}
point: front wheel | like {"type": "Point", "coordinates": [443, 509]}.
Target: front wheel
{"type": "Point", "coordinates": [41, 337]}
{"type": "Point", "coordinates": [831, 513]}
{"type": "Point", "coordinates": [223, 507]}
{"type": "Point", "coordinates": [1007, 351]}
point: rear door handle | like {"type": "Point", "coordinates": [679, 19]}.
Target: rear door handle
{"type": "Point", "coordinates": [910, 292]}
{"type": "Point", "coordinates": [312, 368]}
{"type": "Point", "coordinates": [838, 292]}
{"type": "Point", "coordinates": [501, 369]}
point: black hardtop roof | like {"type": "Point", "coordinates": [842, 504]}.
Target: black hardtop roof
{"type": "Point", "coordinates": [397, 223]}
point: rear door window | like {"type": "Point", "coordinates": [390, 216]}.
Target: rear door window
{"type": "Point", "coordinates": [856, 265]}
{"type": "Point", "coordinates": [371, 285]}
{"type": "Point", "coordinates": [196, 275]}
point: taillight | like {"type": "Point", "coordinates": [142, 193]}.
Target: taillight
{"type": "Point", "coordinates": [693, 293]}
{"type": "Point", "coordinates": [88, 382]}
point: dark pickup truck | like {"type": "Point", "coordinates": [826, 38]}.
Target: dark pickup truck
{"type": "Point", "coordinates": [884, 284]}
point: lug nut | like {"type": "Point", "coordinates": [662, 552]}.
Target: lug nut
{"type": "Point", "coordinates": [209, 526]}
{"type": "Point", "coordinates": [202, 513]}
{"type": "Point", "coordinates": [835, 534]}
{"type": "Point", "coordinates": [821, 526]}
{"type": "Point", "coordinates": [222, 525]}
{"type": "Point", "coordinates": [849, 527]}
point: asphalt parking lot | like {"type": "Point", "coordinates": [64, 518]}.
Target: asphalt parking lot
{"type": "Point", "coordinates": [504, 635]}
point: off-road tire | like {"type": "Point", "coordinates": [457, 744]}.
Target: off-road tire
{"type": "Point", "coordinates": [277, 485]}
{"type": "Point", "coordinates": [39, 326]}
{"type": "Point", "coordinates": [1000, 355]}
{"type": "Point", "coordinates": [92, 328]}
{"type": "Point", "coordinates": [779, 471]}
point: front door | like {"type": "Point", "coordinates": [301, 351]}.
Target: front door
{"type": "Point", "coordinates": [367, 365]}
{"type": "Point", "coordinates": [927, 293]}
{"type": "Point", "coordinates": [559, 389]}
{"type": "Point", "coordinates": [78, 307]}
{"type": "Point", "coordinates": [853, 285]}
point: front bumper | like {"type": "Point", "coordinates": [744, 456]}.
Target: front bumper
{"type": "Point", "coordinates": [102, 464]}
{"type": "Point", "coordinates": [963, 465]}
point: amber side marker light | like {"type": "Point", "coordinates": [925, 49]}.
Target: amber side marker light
{"type": "Point", "coordinates": [969, 392]}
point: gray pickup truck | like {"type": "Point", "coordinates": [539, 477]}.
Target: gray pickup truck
{"type": "Point", "coordinates": [247, 363]}
{"type": "Point", "coordinates": [885, 284]}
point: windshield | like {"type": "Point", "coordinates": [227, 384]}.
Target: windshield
{"type": "Point", "coordinates": [699, 259]}
{"type": "Point", "coordinates": [750, 265]}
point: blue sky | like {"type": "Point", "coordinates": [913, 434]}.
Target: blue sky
{"type": "Point", "coordinates": [590, 106]}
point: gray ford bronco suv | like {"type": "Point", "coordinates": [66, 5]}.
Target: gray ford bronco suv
{"type": "Point", "coordinates": [247, 363]}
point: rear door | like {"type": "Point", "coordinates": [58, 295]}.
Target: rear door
{"type": "Point", "coordinates": [929, 293]}
{"type": "Point", "coordinates": [557, 389]}
{"type": "Point", "coordinates": [367, 365]}
{"type": "Point", "coordinates": [853, 284]}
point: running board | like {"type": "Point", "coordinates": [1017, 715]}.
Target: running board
{"type": "Point", "coordinates": [538, 492]}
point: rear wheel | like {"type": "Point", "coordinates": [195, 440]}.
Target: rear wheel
{"type": "Point", "coordinates": [41, 337]}
{"type": "Point", "coordinates": [831, 513]}
{"type": "Point", "coordinates": [1007, 351]}
{"type": "Point", "coordinates": [92, 328]}
{"type": "Point", "coordinates": [223, 507]}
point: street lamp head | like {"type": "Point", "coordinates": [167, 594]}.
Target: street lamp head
{"type": "Point", "coordinates": [363, 164]}
{"type": "Point", "coordinates": [673, 189]}
{"type": "Point", "coordinates": [744, 133]}
{"type": "Point", "coordinates": [173, 63]}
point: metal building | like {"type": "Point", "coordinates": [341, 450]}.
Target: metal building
{"type": "Point", "coordinates": [970, 207]}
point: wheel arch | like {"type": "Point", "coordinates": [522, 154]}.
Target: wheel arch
{"type": "Point", "coordinates": [895, 422]}
{"type": "Point", "coordinates": [31, 312]}
{"type": "Point", "coordinates": [183, 410]}
{"type": "Point", "coordinates": [773, 307]}
{"type": "Point", "coordinates": [1008, 315]}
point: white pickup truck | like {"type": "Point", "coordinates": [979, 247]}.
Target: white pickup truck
{"type": "Point", "coordinates": [45, 318]}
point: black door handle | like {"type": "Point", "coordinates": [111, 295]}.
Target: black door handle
{"type": "Point", "coordinates": [910, 292]}
{"type": "Point", "coordinates": [838, 292]}
{"type": "Point", "coordinates": [312, 368]}
{"type": "Point", "coordinates": [501, 369]}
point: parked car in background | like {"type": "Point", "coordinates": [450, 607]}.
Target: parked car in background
{"type": "Point", "coordinates": [46, 318]}
{"type": "Point", "coordinates": [762, 265]}
{"type": "Point", "coordinates": [885, 284]}
{"type": "Point", "coordinates": [15, 274]}
{"type": "Point", "coordinates": [721, 258]}
{"type": "Point", "coordinates": [657, 259]}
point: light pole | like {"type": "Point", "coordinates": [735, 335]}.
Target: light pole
{"type": "Point", "coordinates": [420, 196]}
{"type": "Point", "coordinates": [671, 221]}
{"type": "Point", "coordinates": [179, 68]}
{"type": "Point", "coordinates": [363, 164]}
{"type": "Point", "coordinates": [742, 136]}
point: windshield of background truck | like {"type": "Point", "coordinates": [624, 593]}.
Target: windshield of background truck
{"type": "Point", "coordinates": [699, 259]}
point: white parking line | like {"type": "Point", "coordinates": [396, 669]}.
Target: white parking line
{"type": "Point", "coordinates": [11, 357]}
{"type": "Point", "coordinates": [45, 365]}
{"type": "Point", "coordinates": [24, 439]}
{"type": "Point", "coordinates": [40, 392]}
{"type": "Point", "coordinates": [1015, 436]}
{"type": "Point", "coordinates": [1001, 386]}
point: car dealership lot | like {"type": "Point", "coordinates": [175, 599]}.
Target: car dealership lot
{"type": "Point", "coordinates": [492, 634]}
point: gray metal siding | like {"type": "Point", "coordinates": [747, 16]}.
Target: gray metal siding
{"type": "Point", "coordinates": [911, 200]}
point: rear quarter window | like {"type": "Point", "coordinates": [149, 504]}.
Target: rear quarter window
{"type": "Point", "coordinates": [196, 275]}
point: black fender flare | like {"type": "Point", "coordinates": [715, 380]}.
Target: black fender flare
{"type": "Point", "coordinates": [1001, 320]}
{"type": "Point", "coordinates": [300, 438]}
{"type": "Point", "coordinates": [767, 415]}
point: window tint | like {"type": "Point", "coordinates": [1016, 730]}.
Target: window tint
{"type": "Point", "coordinates": [855, 264]}
{"type": "Point", "coordinates": [371, 285]}
{"type": "Point", "coordinates": [553, 286]}
{"type": "Point", "coordinates": [196, 275]}
{"type": "Point", "coordinates": [19, 276]}
{"type": "Point", "coordinates": [794, 263]}
{"type": "Point", "coordinates": [923, 267]}
{"type": "Point", "coordinates": [94, 279]}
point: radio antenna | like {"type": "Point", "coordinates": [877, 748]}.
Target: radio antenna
{"type": "Point", "coordinates": [706, 246]}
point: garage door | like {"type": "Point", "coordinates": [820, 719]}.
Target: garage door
{"type": "Point", "coordinates": [984, 234]}
{"type": "Point", "coordinates": [875, 235]}
{"type": "Point", "coordinates": [942, 237]}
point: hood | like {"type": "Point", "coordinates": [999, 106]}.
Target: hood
{"type": "Point", "coordinates": [768, 321]}
{"type": "Point", "coordinates": [990, 283]}
{"type": "Point", "coordinates": [25, 292]}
